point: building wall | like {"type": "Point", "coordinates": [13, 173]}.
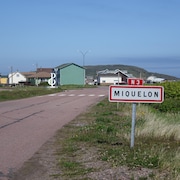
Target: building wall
{"type": "Point", "coordinates": [72, 74]}
{"type": "Point", "coordinates": [15, 78]}
{"type": "Point", "coordinates": [109, 80]}
{"type": "Point", "coordinates": [3, 80]}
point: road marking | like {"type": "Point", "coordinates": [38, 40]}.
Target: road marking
{"type": "Point", "coordinates": [71, 95]}
{"type": "Point", "coordinates": [81, 95]}
{"type": "Point", "coordinates": [52, 95]}
{"type": "Point", "coordinates": [62, 94]}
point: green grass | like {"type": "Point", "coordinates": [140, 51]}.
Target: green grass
{"type": "Point", "coordinates": [25, 92]}
{"type": "Point", "coordinates": [73, 168]}
{"type": "Point", "coordinates": [13, 93]}
{"type": "Point", "coordinates": [108, 130]}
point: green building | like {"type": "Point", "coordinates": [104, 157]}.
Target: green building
{"type": "Point", "coordinates": [70, 73]}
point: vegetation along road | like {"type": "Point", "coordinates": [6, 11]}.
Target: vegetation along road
{"type": "Point", "coordinates": [96, 144]}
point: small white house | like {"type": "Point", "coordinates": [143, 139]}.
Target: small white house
{"type": "Point", "coordinates": [154, 79]}
{"type": "Point", "coordinates": [107, 77]}
{"type": "Point", "coordinates": [15, 78]}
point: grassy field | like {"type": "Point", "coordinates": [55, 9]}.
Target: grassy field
{"type": "Point", "coordinates": [99, 141]}
{"type": "Point", "coordinates": [104, 132]}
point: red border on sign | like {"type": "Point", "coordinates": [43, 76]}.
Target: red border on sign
{"type": "Point", "coordinates": [137, 87]}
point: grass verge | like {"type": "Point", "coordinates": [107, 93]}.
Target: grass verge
{"type": "Point", "coordinates": [97, 145]}
{"type": "Point", "coordinates": [13, 93]}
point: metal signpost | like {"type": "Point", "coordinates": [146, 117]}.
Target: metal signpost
{"type": "Point", "coordinates": [136, 94]}
{"type": "Point", "coordinates": [134, 81]}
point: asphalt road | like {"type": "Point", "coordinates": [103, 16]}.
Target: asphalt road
{"type": "Point", "coordinates": [25, 125]}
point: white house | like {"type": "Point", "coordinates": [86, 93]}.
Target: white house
{"type": "Point", "coordinates": [154, 79]}
{"type": "Point", "coordinates": [112, 77]}
{"type": "Point", "coordinates": [16, 77]}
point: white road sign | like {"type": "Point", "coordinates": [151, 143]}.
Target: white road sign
{"type": "Point", "coordinates": [144, 94]}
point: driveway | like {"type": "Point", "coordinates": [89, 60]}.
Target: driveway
{"type": "Point", "coordinates": [25, 125]}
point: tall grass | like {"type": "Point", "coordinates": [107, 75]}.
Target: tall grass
{"type": "Point", "coordinates": [158, 125]}
{"type": "Point", "coordinates": [165, 128]}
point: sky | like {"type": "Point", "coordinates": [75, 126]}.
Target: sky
{"type": "Point", "coordinates": [48, 33]}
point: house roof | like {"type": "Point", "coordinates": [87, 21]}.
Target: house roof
{"type": "Point", "coordinates": [49, 70]}
{"type": "Point", "coordinates": [155, 79]}
{"type": "Point", "coordinates": [14, 73]}
{"type": "Point", "coordinates": [27, 74]}
{"type": "Point", "coordinates": [40, 75]}
{"type": "Point", "coordinates": [114, 72]}
{"type": "Point", "coordinates": [68, 64]}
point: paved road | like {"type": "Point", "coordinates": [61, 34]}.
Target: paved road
{"type": "Point", "coordinates": [25, 125]}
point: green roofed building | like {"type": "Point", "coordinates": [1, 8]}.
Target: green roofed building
{"type": "Point", "coordinates": [70, 73]}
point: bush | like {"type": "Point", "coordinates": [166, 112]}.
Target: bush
{"type": "Point", "coordinates": [172, 98]}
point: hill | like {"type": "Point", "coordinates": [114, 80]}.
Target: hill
{"type": "Point", "coordinates": [134, 70]}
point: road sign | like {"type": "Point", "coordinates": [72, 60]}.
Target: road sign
{"type": "Point", "coordinates": [143, 94]}
{"type": "Point", "coordinates": [135, 81]}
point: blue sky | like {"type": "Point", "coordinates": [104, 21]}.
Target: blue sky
{"type": "Point", "coordinates": [144, 33]}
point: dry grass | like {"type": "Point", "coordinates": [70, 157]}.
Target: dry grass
{"type": "Point", "coordinates": [166, 126]}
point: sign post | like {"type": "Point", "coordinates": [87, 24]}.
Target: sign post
{"type": "Point", "coordinates": [133, 124]}
{"type": "Point", "coordinates": [136, 94]}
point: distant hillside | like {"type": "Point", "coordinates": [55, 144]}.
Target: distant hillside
{"type": "Point", "coordinates": [134, 70]}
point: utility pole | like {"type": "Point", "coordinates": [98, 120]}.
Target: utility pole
{"type": "Point", "coordinates": [36, 78]}
{"type": "Point", "coordinates": [36, 74]}
{"type": "Point", "coordinates": [84, 55]}
{"type": "Point", "coordinates": [12, 75]}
